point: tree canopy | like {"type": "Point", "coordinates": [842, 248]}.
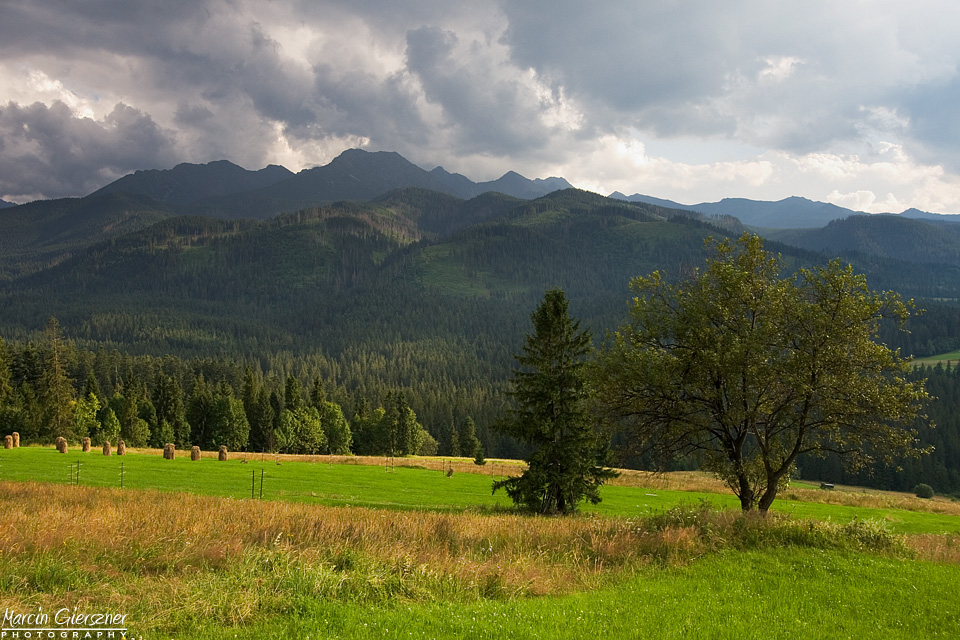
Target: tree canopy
{"type": "Point", "coordinates": [746, 370]}
{"type": "Point", "coordinates": [551, 414]}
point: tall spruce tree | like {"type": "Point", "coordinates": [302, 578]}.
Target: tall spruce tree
{"type": "Point", "coordinates": [551, 414]}
{"type": "Point", "coordinates": [168, 402]}
{"type": "Point", "coordinates": [56, 389]}
{"type": "Point", "coordinates": [468, 442]}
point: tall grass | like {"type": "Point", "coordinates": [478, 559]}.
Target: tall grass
{"type": "Point", "coordinates": [173, 560]}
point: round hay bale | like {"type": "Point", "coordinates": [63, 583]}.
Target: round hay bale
{"type": "Point", "coordinates": [8, 442]}
{"type": "Point", "coordinates": [169, 451]}
{"type": "Point", "coordinates": [16, 439]}
{"type": "Point", "coordinates": [195, 453]}
{"type": "Point", "coordinates": [222, 456]}
{"type": "Point", "coordinates": [121, 448]}
{"type": "Point", "coordinates": [61, 444]}
{"type": "Point", "coordinates": [86, 445]}
{"type": "Point", "coordinates": [106, 448]}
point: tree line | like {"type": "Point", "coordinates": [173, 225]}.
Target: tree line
{"type": "Point", "coordinates": [58, 390]}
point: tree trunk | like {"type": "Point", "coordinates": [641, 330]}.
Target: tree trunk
{"type": "Point", "coordinates": [745, 494]}
{"type": "Point", "coordinates": [770, 493]}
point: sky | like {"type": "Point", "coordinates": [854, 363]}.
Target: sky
{"type": "Point", "coordinates": [852, 102]}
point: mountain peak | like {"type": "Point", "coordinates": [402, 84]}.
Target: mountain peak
{"type": "Point", "coordinates": [188, 182]}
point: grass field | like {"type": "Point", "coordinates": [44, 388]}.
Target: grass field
{"type": "Point", "coordinates": [794, 593]}
{"type": "Point", "coordinates": [418, 554]}
{"type": "Point", "coordinates": [952, 358]}
{"type": "Point", "coordinates": [317, 481]}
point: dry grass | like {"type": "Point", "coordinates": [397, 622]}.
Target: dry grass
{"type": "Point", "coordinates": [856, 497]}
{"type": "Point", "coordinates": [697, 481]}
{"type": "Point", "coordinates": [156, 533]}
{"type": "Point", "coordinates": [943, 548]}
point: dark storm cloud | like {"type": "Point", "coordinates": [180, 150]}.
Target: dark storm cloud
{"type": "Point", "coordinates": [786, 76]}
{"type": "Point", "coordinates": [91, 26]}
{"type": "Point", "coordinates": [358, 103]}
{"type": "Point", "coordinates": [489, 111]}
{"type": "Point", "coordinates": [934, 122]}
{"type": "Point", "coordinates": [46, 150]}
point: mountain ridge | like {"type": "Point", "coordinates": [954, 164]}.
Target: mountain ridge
{"type": "Point", "coordinates": [794, 212]}
{"type": "Point", "coordinates": [354, 175]}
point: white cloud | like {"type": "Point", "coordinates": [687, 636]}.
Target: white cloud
{"type": "Point", "coordinates": [779, 68]}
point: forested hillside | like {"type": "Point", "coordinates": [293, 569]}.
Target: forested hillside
{"type": "Point", "coordinates": [884, 236]}
{"type": "Point", "coordinates": [416, 293]}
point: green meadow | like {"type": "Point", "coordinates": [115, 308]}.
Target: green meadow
{"type": "Point", "coordinates": [367, 551]}
{"type": "Point", "coordinates": [397, 487]}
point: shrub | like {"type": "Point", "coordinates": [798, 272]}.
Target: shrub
{"type": "Point", "coordinates": [923, 491]}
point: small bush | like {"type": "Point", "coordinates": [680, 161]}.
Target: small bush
{"type": "Point", "coordinates": [923, 491]}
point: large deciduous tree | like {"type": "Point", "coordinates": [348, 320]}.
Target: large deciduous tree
{"type": "Point", "coordinates": [552, 415]}
{"type": "Point", "coordinates": [747, 370]}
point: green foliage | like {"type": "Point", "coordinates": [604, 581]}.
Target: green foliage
{"type": "Point", "coordinates": [370, 432]}
{"type": "Point", "coordinates": [230, 427]}
{"type": "Point", "coordinates": [923, 491]}
{"type": "Point", "coordinates": [551, 415]}
{"type": "Point", "coordinates": [429, 446]}
{"type": "Point", "coordinates": [747, 370]}
{"type": "Point", "coordinates": [200, 414]}
{"type": "Point", "coordinates": [468, 444]}
{"type": "Point", "coordinates": [6, 388]}
{"type": "Point", "coordinates": [168, 403]}
{"type": "Point", "coordinates": [335, 428]}
{"type": "Point", "coordinates": [85, 419]}
{"type": "Point", "coordinates": [163, 433]}
{"type": "Point", "coordinates": [293, 394]}
{"type": "Point", "coordinates": [300, 432]}
{"type": "Point", "coordinates": [109, 428]}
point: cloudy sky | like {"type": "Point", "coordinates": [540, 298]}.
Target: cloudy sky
{"type": "Point", "coordinates": [854, 102]}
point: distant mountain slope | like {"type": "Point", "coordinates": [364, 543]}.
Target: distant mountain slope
{"type": "Point", "coordinates": [187, 183]}
{"type": "Point", "coordinates": [789, 213]}
{"type": "Point", "coordinates": [37, 233]}
{"type": "Point", "coordinates": [883, 236]}
{"type": "Point", "coordinates": [4, 204]}
{"type": "Point", "coordinates": [439, 214]}
{"type": "Point", "coordinates": [332, 267]}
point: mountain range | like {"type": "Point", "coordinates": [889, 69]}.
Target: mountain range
{"type": "Point", "coordinates": [790, 213]}
{"type": "Point", "coordinates": [223, 189]}
{"type": "Point", "coordinates": [37, 235]}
